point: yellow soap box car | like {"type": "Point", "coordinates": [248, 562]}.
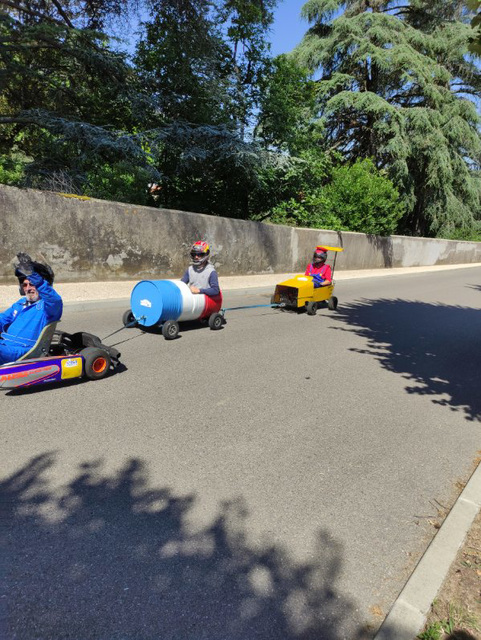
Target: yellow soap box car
{"type": "Point", "coordinates": [299, 294]}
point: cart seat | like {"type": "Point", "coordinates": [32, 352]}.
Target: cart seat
{"type": "Point", "coordinates": [41, 348]}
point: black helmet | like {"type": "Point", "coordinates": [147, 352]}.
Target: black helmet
{"type": "Point", "coordinates": [320, 255]}
{"type": "Point", "coordinates": [43, 270]}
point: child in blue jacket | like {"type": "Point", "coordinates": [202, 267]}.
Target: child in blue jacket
{"type": "Point", "coordinates": [22, 323]}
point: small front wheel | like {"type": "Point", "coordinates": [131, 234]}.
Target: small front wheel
{"type": "Point", "coordinates": [311, 308]}
{"type": "Point", "coordinates": [96, 363]}
{"type": "Point", "coordinates": [216, 320]}
{"type": "Point", "coordinates": [332, 303]}
{"type": "Point", "coordinates": [128, 319]}
{"type": "Point", "coordinates": [170, 329]}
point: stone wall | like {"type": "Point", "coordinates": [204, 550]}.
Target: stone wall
{"type": "Point", "coordinates": [87, 240]}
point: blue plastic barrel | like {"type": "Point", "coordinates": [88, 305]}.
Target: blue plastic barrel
{"type": "Point", "coordinates": [155, 301]}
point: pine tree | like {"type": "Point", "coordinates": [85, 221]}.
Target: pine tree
{"type": "Point", "coordinates": [396, 83]}
{"type": "Point", "coordinates": [68, 99]}
{"type": "Point", "coordinates": [53, 58]}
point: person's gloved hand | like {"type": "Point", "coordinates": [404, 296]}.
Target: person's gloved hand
{"type": "Point", "coordinates": [25, 264]}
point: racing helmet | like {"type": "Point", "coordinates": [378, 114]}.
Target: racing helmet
{"type": "Point", "coordinates": [320, 255]}
{"type": "Point", "coordinates": [199, 253]}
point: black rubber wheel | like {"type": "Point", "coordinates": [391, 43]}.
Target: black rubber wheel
{"type": "Point", "coordinates": [216, 320]}
{"type": "Point", "coordinates": [170, 329]}
{"type": "Point", "coordinates": [96, 363]}
{"type": "Point", "coordinates": [127, 318]}
{"type": "Point", "coordinates": [311, 308]}
{"type": "Point", "coordinates": [332, 303]}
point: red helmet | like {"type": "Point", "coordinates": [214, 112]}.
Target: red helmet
{"type": "Point", "coordinates": [320, 255]}
{"type": "Point", "coordinates": [199, 252]}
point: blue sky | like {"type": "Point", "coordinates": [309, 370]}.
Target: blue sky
{"type": "Point", "coordinates": [288, 28]}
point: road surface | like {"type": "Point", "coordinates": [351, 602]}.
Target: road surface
{"type": "Point", "coordinates": [277, 479]}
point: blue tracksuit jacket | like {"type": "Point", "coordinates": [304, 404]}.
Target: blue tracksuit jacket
{"type": "Point", "coordinates": [23, 322]}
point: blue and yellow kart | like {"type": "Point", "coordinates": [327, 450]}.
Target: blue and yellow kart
{"type": "Point", "coordinates": [58, 356]}
{"type": "Point", "coordinates": [300, 294]}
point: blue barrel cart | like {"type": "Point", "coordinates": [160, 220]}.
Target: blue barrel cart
{"type": "Point", "coordinates": [166, 303]}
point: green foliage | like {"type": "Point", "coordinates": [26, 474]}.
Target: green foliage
{"type": "Point", "coordinates": [394, 86]}
{"type": "Point", "coordinates": [206, 169]}
{"type": "Point", "coordinates": [434, 631]}
{"type": "Point", "coordinates": [66, 151]}
{"type": "Point", "coordinates": [287, 106]}
{"type": "Point", "coordinates": [369, 125]}
{"type": "Point", "coordinates": [290, 180]}
{"type": "Point", "coordinates": [363, 199]}
{"type": "Point", "coordinates": [355, 198]}
{"type": "Point", "coordinates": [57, 68]}
{"type": "Point", "coordinates": [12, 168]}
{"type": "Point", "coordinates": [247, 23]}
{"type": "Point", "coordinates": [305, 213]}
{"type": "Point", "coordinates": [471, 234]}
{"type": "Point", "coordinates": [181, 60]}
{"type": "Point", "coordinates": [67, 98]}
{"type": "Point", "coordinates": [455, 617]}
{"type": "Point", "coordinates": [120, 182]}
{"type": "Point", "coordinates": [201, 61]}
{"type": "Point", "coordinates": [80, 14]}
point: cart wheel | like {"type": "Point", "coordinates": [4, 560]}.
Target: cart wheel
{"type": "Point", "coordinates": [170, 329]}
{"type": "Point", "coordinates": [216, 320]}
{"type": "Point", "coordinates": [311, 308]}
{"type": "Point", "coordinates": [332, 303]}
{"type": "Point", "coordinates": [96, 363]}
{"type": "Point", "coordinates": [128, 317]}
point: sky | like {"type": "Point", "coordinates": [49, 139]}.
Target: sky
{"type": "Point", "coordinates": [288, 28]}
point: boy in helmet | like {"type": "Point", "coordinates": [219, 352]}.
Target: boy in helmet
{"type": "Point", "coordinates": [201, 276]}
{"type": "Point", "coordinates": [320, 271]}
{"type": "Point", "coordinates": [22, 323]}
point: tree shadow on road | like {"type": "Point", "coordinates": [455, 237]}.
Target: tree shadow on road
{"type": "Point", "coordinates": [108, 558]}
{"type": "Point", "coordinates": [435, 346]}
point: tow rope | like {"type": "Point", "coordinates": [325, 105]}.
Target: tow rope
{"type": "Point", "coordinates": [224, 309]}
{"type": "Point", "coordinates": [126, 326]}
{"type": "Point", "coordinates": [252, 306]}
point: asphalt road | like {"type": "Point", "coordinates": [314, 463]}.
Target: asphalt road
{"type": "Point", "coordinates": [275, 480]}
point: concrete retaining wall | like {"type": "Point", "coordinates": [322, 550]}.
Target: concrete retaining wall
{"type": "Point", "coordinates": [88, 240]}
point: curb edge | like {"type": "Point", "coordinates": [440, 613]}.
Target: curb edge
{"type": "Point", "coordinates": [408, 614]}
